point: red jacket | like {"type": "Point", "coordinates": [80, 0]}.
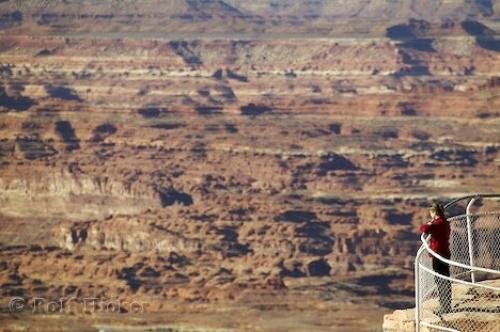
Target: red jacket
{"type": "Point", "coordinates": [439, 230]}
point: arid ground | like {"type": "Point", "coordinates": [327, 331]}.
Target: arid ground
{"type": "Point", "coordinates": [234, 165]}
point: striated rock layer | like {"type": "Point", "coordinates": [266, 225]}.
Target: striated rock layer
{"type": "Point", "coordinates": [245, 176]}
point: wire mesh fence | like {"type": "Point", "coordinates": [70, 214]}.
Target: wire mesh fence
{"type": "Point", "coordinates": [458, 298]}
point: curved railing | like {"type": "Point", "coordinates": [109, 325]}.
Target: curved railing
{"type": "Point", "coordinates": [472, 288]}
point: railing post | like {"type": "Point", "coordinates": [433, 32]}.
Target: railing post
{"type": "Point", "coordinates": [469, 237]}
{"type": "Point", "coordinates": [417, 291]}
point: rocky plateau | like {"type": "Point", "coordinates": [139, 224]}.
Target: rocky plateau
{"type": "Point", "coordinates": [235, 165]}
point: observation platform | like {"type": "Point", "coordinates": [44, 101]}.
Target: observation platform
{"type": "Point", "coordinates": [472, 290]}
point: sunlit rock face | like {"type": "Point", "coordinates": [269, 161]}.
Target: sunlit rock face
{"type": "Point", "coordinates": [268, 159]}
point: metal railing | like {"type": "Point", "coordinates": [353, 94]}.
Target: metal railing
{"type": "Point", "coordinates": [461, 293]}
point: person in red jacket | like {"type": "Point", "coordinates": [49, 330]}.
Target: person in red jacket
{"type": "Point", "coordinates": [439, 230]}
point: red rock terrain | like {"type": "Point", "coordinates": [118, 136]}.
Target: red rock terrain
{"type": "Point", "coordinates": [232, 164]}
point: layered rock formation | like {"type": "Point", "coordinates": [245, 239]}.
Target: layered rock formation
{"type": "Point", "coordinates": [249, 157]}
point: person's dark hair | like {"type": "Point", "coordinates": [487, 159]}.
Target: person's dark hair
{"type": "Point", "coordinates": [438, 209]}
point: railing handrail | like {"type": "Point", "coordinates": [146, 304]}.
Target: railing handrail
{"type": "Point", "coordinates": [477, 214]}
{"type": "Point", "coordinates": [425, 268]}
{"type": "Point", "coordinates": [453, 263]}
{"type": "Point", "coordinates": [456, 200]}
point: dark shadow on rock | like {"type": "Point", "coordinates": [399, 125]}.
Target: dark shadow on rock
{"type": "Point", "coordinates": [199, 150]}
{"type": "Point", "coordinates": [230, 128]}
{"type": "Point", "coordinates": [408, 58]}
{"type": "Point", "coordinates": [335, 128]}
{"type": "Point", "coordinates": [420, 135]}
{"type": "Point", "coordinates": [400, 32]}
{"type": "Point", "coordinates": [419, 44]}
{"type": "Point", "coordinates": [387, 133]}
{"type": "Point", "coordinates": [44, 52]}
{"type": "Point", "coordinates": [380, 284]}
{"type": "Point", "coordinates": [485, 6]}
{"type": "Point", "coordinates": [63, 93]}
{"type": "Point", "coordinates": [456, 157]}
{"type": "Point", "coordinates": [212, 127]}
{"type": "Point", "coordinates": [67, 134]}
{"type": "Point", "coordinates": [227, 93]}
{"type": "Point", "coordinates": [334, 162]}
{"type": "Point", "coordinates": [318, 268]}
{"type": "Point", "coordinates": [34, 148]}
{"type": "Point", "coordinates": [407, 109]}
{"type": "Point", "coordinates": [296, 216]}
{"type": "Point", "coordinates": [218, 74]}
{"type": "Point", "coordinates": [489, 43]}
{"type": "Point", "coordinates": [485, 37]}
{"type": "Point", "coordinates": [314, 230]}
{"type": "Point", "coordinates": [412, 35]}
{"type": "Point", "coordinates": [204, 8]}
{"type": "Point", "coordinates": [333, 201]}
{"type": "Point", "coordinates": [102, 131]}
{"type": "Point", "coordinates": [149, 112]}
{"type": "Point", "coordinates": [129, 275]}
{"type": "Point", "coordinates": [7, 70]}
{"type": "Point", "coordinates": [315, 132]}
{"type": "Point", "coordinates": [208, 110]}
{"type": "Point", "coordinates": [253, 110]}
{"type": "Point", "coordinates": [396, 304]}
{"type": "Point", "coordinates": [294, 271]}
{"type": "Point", "coordinates": [399, 218]}
{"type": "Point", "coordinates": [230, 245]}
{"type": "Point", "coordinates": [184, 49]}
{"type": "Point", "coordinates": [407, 235]}
{"type": "Point", "coordinates": [397, 160]}
{"type": "Point", "coordinates": [315, 237]}
{"type": "Point", "coordinates": [477, 29]}
{"type": "Point", "coordinates": [170, 196]}
{"type": "Point", "coordinates": [9, 20]}
{"type": "Point", "coordinates": [412, 71]}
{"type": "Point", "coordinates": [18, 103]}
{"type": "Point", "coordinates": [236, 76]}
{"type": "Point", "coordinates": [168, 126]}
